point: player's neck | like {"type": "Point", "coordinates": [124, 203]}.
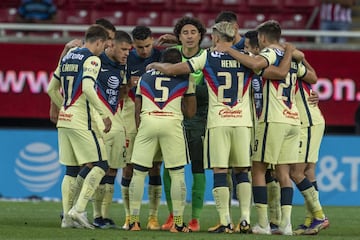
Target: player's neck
{"type": "Point", "coordinates": [237, 38]}
{"type": "Point", "coordinates": [190, 52]}
{"type": "Point", "coordinates": [276, 45]}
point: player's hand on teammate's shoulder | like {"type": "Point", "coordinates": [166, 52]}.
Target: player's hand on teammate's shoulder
{"type": "Point", "coordinates": [107, 123]}
{"type": "Point", "coordinates": [151, 66]}
{"type": "Point", "coordinates": [166, 39]}
{"type": "Point", "coordinates": [288, 46]}
{"type": "Point", "coordinates": [221, 47]}
{"type": "Point", "coordinates": [297, 54]}
{"type": "Point", "coordinates": [74, 43]}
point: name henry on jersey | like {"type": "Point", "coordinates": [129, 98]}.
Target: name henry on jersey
{"type": "Point", "coordinates": [228, 113]}
{"type": "Point", "coordinates": [230, 64]}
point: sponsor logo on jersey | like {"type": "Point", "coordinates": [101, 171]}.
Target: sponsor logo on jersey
{"type": "Point", "coordinates": [228, 113]}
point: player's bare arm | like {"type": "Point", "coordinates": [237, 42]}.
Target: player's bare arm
{"type": "Point", "coordinates": [188, 106]}
{"type": "Point", "coordinates": [138, 106]}
{"type": "Point", "coordinates": [279, 72]}
{"type": "Point", "coordinates": [167, 39]}
{"type": "Point", "coordinates": [170, 69]}
{"type": "Point", "coordinates": [310, 76]}
{"type": "Point", "coordinates": [256, 63]}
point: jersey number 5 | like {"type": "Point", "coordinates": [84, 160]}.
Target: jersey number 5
{"type": "Point", "coordinates": [164, 90]}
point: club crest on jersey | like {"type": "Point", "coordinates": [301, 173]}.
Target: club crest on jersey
{"type": "Point", "coordinates": [216, 54]}
{"type": "Point", "coordinates": [94, 63]}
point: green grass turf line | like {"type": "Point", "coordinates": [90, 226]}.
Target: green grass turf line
{"type": "Point", "coordinates": [40, 220]}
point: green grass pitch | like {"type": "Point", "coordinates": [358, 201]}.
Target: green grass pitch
{"type": "Point", "coordinates": [40, 220]}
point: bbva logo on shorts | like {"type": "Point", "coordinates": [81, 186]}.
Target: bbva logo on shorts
{"type": "Point", "coordinates": [37, 167]}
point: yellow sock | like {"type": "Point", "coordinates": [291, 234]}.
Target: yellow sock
{"type": "Point", "coordinates": [97, 200]}
{"type": "Point", "coordinates": [91, 182]}
{"type": "Point", "coordinates": [125, 198]}
{"type": "Point", "coordinates": [134, 218]}
{"type": "Point", "coordinates": [221, 197]}
{"type": "Point", "coordinates": [312, 198]}
{"type": "Point", "coordinates": [178, 193]}
{"type": "Point", "coordinates": [107, 200]}
{"type": "Point", "coordinates": [261, 210]}
{"type": "Point", "coordinates": [244, 193]}
{"type": "Point", "coordinates": [308, 216]}
{"type": "Point", "coordinates": [178, 220]}
{"type": "Point", "coordinates": [67, 192]}
{"type": "Point", "coordinates": [285, 215]}
{"type": "Point", "coordinates": [154, 199]}
{"type": "Point", "coordinates": [77, 187]}
{"type": "Point", "coordinates": [136, 192]}
{"type": "Point", "coordinates": [273, 193]}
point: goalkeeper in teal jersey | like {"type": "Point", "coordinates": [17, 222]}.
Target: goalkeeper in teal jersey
{"type": "Point", "coordinates": [189, 33]}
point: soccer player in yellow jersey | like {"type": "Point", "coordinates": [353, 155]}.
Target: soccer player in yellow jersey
{"type": "Point", "coordinates": [110, 82]}
{"type": "Point", "coordinates": [54, 110]}
{"type": "Point", "coordinates": [229, 120]}
{"type": "Point", "coordinates": [303, 173]}
{"type": "Point", "coordinates": [142, 54]}
{"type": "Point", "coordinates": [189, 33]}
{"type": "Point", "coordinates": [278, 128]}
{"type": "Point", "coordinates": [161, 101]}
{"type": "Point", "coordinates": [273, 187]}
{"type": "Point", "coordinates": [80, 141]}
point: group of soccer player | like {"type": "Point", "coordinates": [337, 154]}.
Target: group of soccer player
{"type": "Point", "coordinates": [244, 105]}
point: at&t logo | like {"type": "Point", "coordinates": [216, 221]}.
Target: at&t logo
{"type": "Point", "coordinates": [37, 167]}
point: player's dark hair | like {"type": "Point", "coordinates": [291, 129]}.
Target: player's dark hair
{"type": "Point", "coordinates": [253, 38]}
{"type": "Point", "coordinates": [106, 24]}
{"type": "Point", "coordinates": [95, 32]}
{"type": "Point", "coordinates": [192, 21]}
{"type": "Point", "coordinates": [171, 55]}
{"type": "Point", "coordinates": [141, 33]}
{"type": "Point", "coordinates": [122, 36]}
{"type": "Point", "coordinates": [226, 16]}
{"type": "Point", "coordinates": [271, 29]}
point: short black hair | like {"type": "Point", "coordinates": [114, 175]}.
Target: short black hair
{"type": "Point", "coordinates": [252, 35]}
{"type": "Point", "coordinates": [141, 33]}
{"type": "Point", "coordinates": [95, 32]}
{"type": "Point", "coordinates": [192, 21]}
{"type": "Point", "coordinates": [171, 55]}
{"type": "Point", "coordinates": [106, 24]}
{"type": "Point", "coordinates": [226, 16]}
{"type": "Point", "coordinates": [271, 29]}
{"type": "Point", "coordinates": [122, 36]}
